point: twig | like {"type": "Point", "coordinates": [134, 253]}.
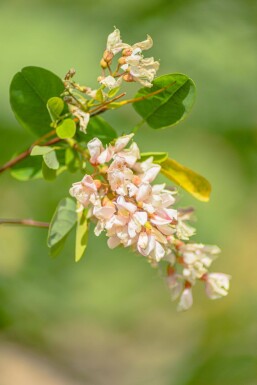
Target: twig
{"type": "Point", "coordinates": [24, 222]}
{"type": "Point", "coordinates": [26, 153]}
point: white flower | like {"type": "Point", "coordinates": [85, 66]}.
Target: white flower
{"type": "Point", "coordinates": [114, 42]}
{"type": "Point", "coordinates": [143, 70]}
{"type": "Point", "coordinates": [82, 116]}
{"type": "Point", "coordinates": [217, 285]}
{"type": "Point", "coordinates": [175, 285]}
{"type": "Point", "coordinates": [85, 191]}
{"type": "Point", "coordinates": [95, 148]}
{"type": "Point", "coordinates": [110, 82]}
{"type": "Point", "coordinates": [186, 300]}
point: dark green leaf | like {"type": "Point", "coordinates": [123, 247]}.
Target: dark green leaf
{"type": "Point", "coordinates": [29, 92]}
{"type": "Point", "coordinates": [62, 222]}
{"type": "Point", "coordinates": [71, 160]}
{"type": "Point", "coordinates": [66, 129]}
{"type": "Point", "coordinates": [158, 157]}
{"type": "Point", "coordinates": [55, 107]}
{"type": "Point", "coordinates": [27, 169]}
{"type": "Point", "coordinates": [98, 127]}
{"type": "Point", "coordinates": [169, 106]}
{"type": "Point", "coordinates": [48, 173]}
{"type": "Point", "coordinates": [81, 235]}
{"type": "Point", "coordinates": [189, 180]}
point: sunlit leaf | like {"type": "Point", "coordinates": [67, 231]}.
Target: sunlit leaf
{"type": "Point", "coordinates": [64, 219]}
{"type": "Point", "coordinates": [40, 150]}
{"type": "Point", "coordinates": [189, 180]}
{"type": "Point", "coordinates": [66, 129]}
{"type": "Point", "coordinates": [171, 105]}
{"type": "Point", "coordinates": [30, 90]}
{"type": "Point", "coordinates": [51, 160]}
{"type": "Point", "coordinates": [158, 157]}
{"type": "Point", "coordinates": [55, 107]}
{"type": "Point", "coordinates": [81, 235]}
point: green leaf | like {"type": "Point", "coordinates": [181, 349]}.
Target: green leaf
{"type": "Point", "coordinates": [51, 160]}
{"type": "Point", "coordinates": [29, 92]}
{"type": "Point", "coordinates": [98, 127]}
{"type": "Point", "coordinates": [71, 160]}
{"type": "Point", "coordinates": [158, 157]}
{"type": "Point", "coordinates": [99, 95]}
{"type": "Point", "coordinates": [48, 173]}
{"type": "Point", "coordinates": [171, 105]}
{"type": "Point", "coordinates": [189, 180]}
{"type": "Point", "coordinates": [66, 129]}
{"type": "Point", "coordinates": [27, 169]}
{"type": "Point", "coordinates": [40, 150]}
{"type": "Point", "coordinates": [57, 248]}
{"type": "Point", "coordinates": [113, 92]}
{"type": "Point", "coordinates": [81, 235]}
{"type": "Point", "coordinates": [55, 107]}
{"type": "Point", "coordinates": [63, 221]}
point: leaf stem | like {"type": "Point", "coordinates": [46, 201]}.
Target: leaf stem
{"type": "Point", "coordinates": [24, 222]}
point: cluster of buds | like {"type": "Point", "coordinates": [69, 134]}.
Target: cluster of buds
{"type": "Point", "coordinates": [134, 67]}
{"type": "Point", "coordinates": [133, 212]}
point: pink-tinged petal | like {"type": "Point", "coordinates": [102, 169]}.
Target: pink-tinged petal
{"type": "Point", "coordinates": [159, 251]}
{"type": "Point", "coordinates": [175, 286]}
{"type": "Point", "coordinates": [99, 228]}
{"type": "Point", "coordinates": [104, 212]}
{"type": "Point", "coordinates": [89, 183]}
{"type": "Point", "coordinates": [186, 300]}
{"type": "Point", "coordinates": [151, 173]}
{"type": "Point", "coordinates": [105, 156]}
{"type": "Point", "coordinates": [113, 242]}
{"type": "Point", "coordinates": [133, 228]}
{"type": "Point", "coordinates": [166, 229]}
{"type": "Point", "coordinates": [132, 189]}
{"type": "Point", "coordinates": [121, 142]}
{"type": "Point", "coordinates": [95, 148]}
{"type": "Point", "coordinates": [123, 205]}
{"type": "Point", "coordinates": [142, 241]}
{"type": "Point", "coordinates": [144, 192]}
{"type": "Point", "coordinates": [141, 217]}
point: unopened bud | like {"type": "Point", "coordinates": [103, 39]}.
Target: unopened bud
{"type": "Point", "coordinates": [103, 64]}
{"type": "Point", "coordinates": [97, 183]}
{"type": "Point", "coordinates": [70, 74]}
{"type": "Point", "coordinates": [170, 270]}
{"type": "Point", "coordinates": [128, 77]}
{"type": "Point", "coordinates": [127, 52]}
{"type": "Point", "coordinates": [122, 60]}
{"type": "Point", "coordinates": [108, 56]}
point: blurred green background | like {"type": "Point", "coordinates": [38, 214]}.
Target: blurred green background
{"type": "Point", "coordinates": [108, 320]}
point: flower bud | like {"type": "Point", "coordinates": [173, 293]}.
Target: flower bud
{"type": "Point", "coordinates": [128, 77]}
{"type": "Point", "coordinates": [97, 183]}
{"type": "Point", "coordinates": [108, 56]}
{"type": "Point", "coordinates": [122, 60]}
{"type": "Point", "coordinates": [103, 64]}
{"type": "Point", "coordinates": [127, 52]}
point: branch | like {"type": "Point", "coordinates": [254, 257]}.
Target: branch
{"type": "Point", "coordinates": [24, 222]}
{"type": "Point", "coordinates": [26, 153]}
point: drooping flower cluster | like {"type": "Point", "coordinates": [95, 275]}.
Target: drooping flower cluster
{"type": "Point", "coordinates": [132, 62]}
{"type": "Point", "coordinates": [133, 212]}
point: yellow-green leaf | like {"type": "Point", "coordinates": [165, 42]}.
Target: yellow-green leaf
{"type": "Point", "coordinates": [81, 234]}
{"type": "Point", "coordinates": [189, 180]}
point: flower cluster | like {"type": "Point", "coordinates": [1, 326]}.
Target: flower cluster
{"type": "Point", "coordinates": [135, 67]}
{"type": "Point", "coordinates": [133, 212]}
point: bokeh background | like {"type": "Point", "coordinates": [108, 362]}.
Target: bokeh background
{"type": "Point", "coordinates": [108, 320]}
